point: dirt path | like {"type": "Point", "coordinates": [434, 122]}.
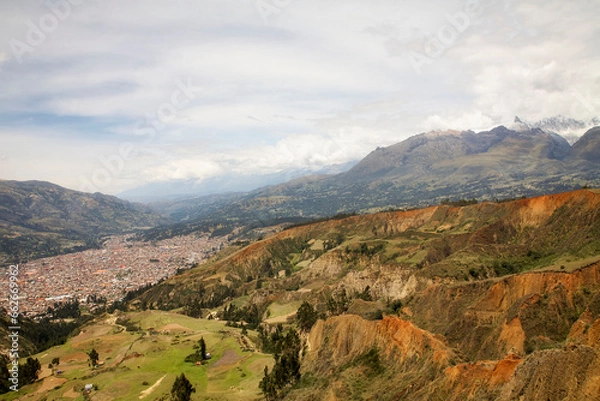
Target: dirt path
{"type": "Point", "coordinates": [149, 390]}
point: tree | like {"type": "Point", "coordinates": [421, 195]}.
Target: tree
{"type": "Point", "coordinates": [56, 361]}
{"type": "Point", "coordinates": [29, 372]}
{"type": "Point", "coordinates": [93, 357]}
{"type": "Point", "coordinates": [286, 371]}
{"type": "Point", "coordinates": [267, 386]}
{"type": "Point", "coordinates": [182, 389]}
{"type": "Point", "coordinates": [193, 309]}
{"type": "Point", "coordinates": [306, 316]}
{"type": "Point", "coordinates": [4, 374]}
{"type": "Point", "coordinates": [202, 345]}
{"type": "Point", "coordinates": [339, 303]}
{"type": "Point", "coordinates": [366, 294]}
{"type": "Point", "coordinates": [200, 354]}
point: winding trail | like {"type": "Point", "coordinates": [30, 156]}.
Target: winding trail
{"type": "Point", "coordinates": [149, 390]}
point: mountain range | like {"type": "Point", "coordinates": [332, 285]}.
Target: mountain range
{"type": "Point", "coordinates": [422, 170]}
{"type": "Point", "coordinates": [487, 299]}
{"type": "Point", "coordinates": [232, 183]}
{"type": "Point", "coordinates": [569, 128]}
{"type": "Point", "coordinates": [40, 219]}
{"type": "Point", "coordinates": [173, 190]}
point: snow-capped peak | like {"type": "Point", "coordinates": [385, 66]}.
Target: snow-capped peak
{"type": "Point", "coordinates": [567, 127]}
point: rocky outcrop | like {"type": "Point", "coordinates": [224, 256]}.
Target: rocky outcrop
{"type": "Point", "coordinates": [416, 365]}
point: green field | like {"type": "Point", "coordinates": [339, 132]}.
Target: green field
{"type": "Point", "coordinates": [144, 364]}
{"type": "Point", "coordinates": [278, 312]}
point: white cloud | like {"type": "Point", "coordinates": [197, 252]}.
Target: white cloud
{"type": "Point", "coordinates": [3, 58]}
{"type": "Point", "coordinates": [321, 83]}
{"type": "Point", "coordinates": [475, 121]}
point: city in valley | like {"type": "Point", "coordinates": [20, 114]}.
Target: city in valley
{"type": "Point", "coordinates": [122, 265]}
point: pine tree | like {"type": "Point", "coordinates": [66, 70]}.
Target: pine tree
{"type": "Point", "coordinates": [286, 371]}
{"type": "Point", "coordinates": [182, 389]}
{"type": "Point", "coordinates": [93, 357]}
{"type": "Point", "coordinates": [267, 386]}
{"type": "Point", "coordinates": [202, 348]}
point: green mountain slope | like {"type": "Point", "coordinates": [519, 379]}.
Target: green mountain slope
{"type": "Point", "coordinates": [41, 219]}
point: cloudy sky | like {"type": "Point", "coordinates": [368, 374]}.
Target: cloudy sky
{"type": "Point", "coordinates": [108, 95]}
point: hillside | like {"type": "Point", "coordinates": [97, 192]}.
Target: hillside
{"type": "Point", "coordinates": [587, 147]}
{"type": "Point", "coordinates": [420, 171]}
{"type": "Point", "coordinates": [140, 356]}
{"type": "Point", "coordinates": [466, 280]}
{"type": "Point", "coordinates": [398, 253]}
{"type": "Point", "coordinates": [42, 219]}
{"type": "Point", "coordinates": [488, 301]}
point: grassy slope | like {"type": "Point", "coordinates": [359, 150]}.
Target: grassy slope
{"type": "Point", "coordinates": [40, 219]}
{"type": "Point", "coordinates": [134, 358]}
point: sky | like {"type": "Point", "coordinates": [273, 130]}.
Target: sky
{"type": "Point", "coordinates": [109, 95]}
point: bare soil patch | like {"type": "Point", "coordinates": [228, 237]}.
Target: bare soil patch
{"type": "Point", "coordinates": [230, 357]}
{"type": "Point", "coordinates": [49, 383]}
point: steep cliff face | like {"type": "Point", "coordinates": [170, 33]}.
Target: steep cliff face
{"type": "Point", "coordinates": [533, 336]}
{"type": "Point", "coordinates": [351, 358]}
{"type": "Point", "coordinates": [572, 373]}
{"type": "Point", "coordinates": [341, 339]}
{"type": "Point", "coordinates": [519, 313]}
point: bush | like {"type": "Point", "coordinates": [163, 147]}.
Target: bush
{"type": "Point", "coordinates": [396, 306]}
{"type": "Point", "coordinates": [369, 359]}
{"type": "Point", "coordinates": [505, 268]}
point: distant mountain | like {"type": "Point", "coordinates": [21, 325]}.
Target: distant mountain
{"type": "Point", "coordinates": [178, 190]}
{"type": "Point", "coordinates": [588, 147]}
{"type": "Point", "coordinates": [39, 219]}
{"type": "Point", "coordinates": [422, 170]}
{"type": "Point", "coordinates": [567, 127]}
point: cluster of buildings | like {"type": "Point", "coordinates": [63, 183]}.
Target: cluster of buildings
{"type": "Point", "coordinates": [122, 265]}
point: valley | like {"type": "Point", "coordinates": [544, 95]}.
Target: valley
{"type": "Point", "coordinates": [103, 276]}
{"type": "Point", "coordinates": [40, 219]}
{"type": "Point", "coordinates": [480, 301]}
